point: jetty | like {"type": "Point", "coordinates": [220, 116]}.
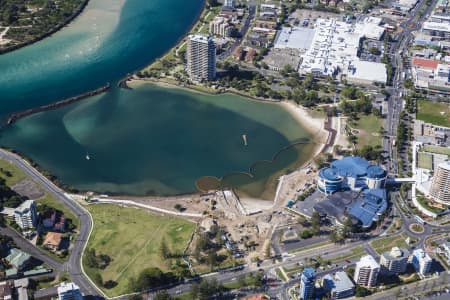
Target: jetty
{"type": "Point", "coordinates": [12, 118]}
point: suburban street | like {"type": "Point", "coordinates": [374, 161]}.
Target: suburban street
{"type": "Point", "coordinates": [73, 265]}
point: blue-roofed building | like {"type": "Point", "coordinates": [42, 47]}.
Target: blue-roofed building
{"type": "Point", "coordinates": [369, 208]}
{"type": "Point", "coordinates": [307, 283]}
{"type": "Point", "coordinates": [351, 172]}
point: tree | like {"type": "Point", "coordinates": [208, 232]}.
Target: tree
{"type": "Point", "coordinates": [179, 207]}
{"type": "Point", "coordinates": [135, 297]}
{"type": "Point", "coordinates": [163, 249]}
{"type": "Point", "coordinates": [361, 291]}
{"type": "Point", "coordinates": [163, 295]}
{"type": "Point", "coordinates": [212, 259]}
{"type": "Point", "coordinates": [315, 223]}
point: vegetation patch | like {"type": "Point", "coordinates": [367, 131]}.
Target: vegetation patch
{"type": "Point", "coordinates": [386, 244]}
{"type": "Point", "coordinates": [126, 244]}
{"type": "Point", "coordinates": [425, 160]}
{"type": "Point", "coordinates": [433, 112]}
{"type": "Point", "coordinates": [437, 149]}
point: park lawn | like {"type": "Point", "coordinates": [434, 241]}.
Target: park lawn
{"type": "Point", "coordinates": [132, 238]}
{"type": "Point", "coordinates": [386, 244]}
{"type": "Point", "coordinates": [354, 252]}
{"type": "Point", "coordinates": [430, 112]}
{"type": "Point", "coordinates": [51, 201]}
{"type": "Point", "coordinates": [425, 160]}
{"type": "Point", "coordinates": [17, 174]}
{"type": "Point", "coordinates": [369, 127]}
{"type": "Point", "coordinates": [437, 149]}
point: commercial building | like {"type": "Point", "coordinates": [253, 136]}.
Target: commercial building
{"type": "Point", "coordinates": [69, 291]}
{"type": "Point", "coordinates": [440, 185]}
{"type": "Point", "coordinates": [366, 271]}
{"type": "Point", "coordinates": [307, 283]}
{"type": "Point", "coordinates": [394, 261]}
{"type": "Point", "coordinates": [369, 207]}
{"type": "Point", "coordinates": [439, 29]}
{"type": "Point", "coordinates": [334, 49]}
{"type": "Point", "coordinates": [299, 38]}
{"type": "Point", "coordinates": [351, 172]}
{"type": "Point", "coordinates": [338, 285]}
{"type": "Point", "coordinates": [421, 261]}
{"type": "Point", "coordinates": [201, 58]}
{"type": "Point", "coordinates": [25, 215]}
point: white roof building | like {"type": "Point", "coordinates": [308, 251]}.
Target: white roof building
{"type": "Point", "coordinates": [366, 72]}
{"type": "Point", "coordinates": [294, 38]}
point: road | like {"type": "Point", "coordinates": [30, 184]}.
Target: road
{"type": "Point", "coordinates": [73, 265]}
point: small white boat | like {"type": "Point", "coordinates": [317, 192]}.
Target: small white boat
{"type": "Point", "coordinates": [87, 156]}
{"type": "Point", "coordinates": [244, 137]}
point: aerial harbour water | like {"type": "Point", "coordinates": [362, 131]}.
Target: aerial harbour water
{"type": "Point", "coordinates": [145, 141]}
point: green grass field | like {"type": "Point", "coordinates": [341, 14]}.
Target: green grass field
{"type": "Point", "coordinates": [433, 112]}
{"type": "Point", "coordinates": [132, 237]}
{"type": "Point", "coordinates": [354, 252]}
{"type": "Point", "coordinates": [425, 160]}
{"type": "Point", "coordinates": [437, 149]}
{"type": "Point", "coordinates": [386, 244]}
{"type": "Point", "coordinates": [17, 174]}
{"type": "Point", "coordinates": [369, 127]}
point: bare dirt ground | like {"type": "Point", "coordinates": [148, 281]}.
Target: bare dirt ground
{"type": "Point", "coordinates": [28, 189]}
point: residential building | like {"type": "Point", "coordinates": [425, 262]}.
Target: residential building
{"type": "Point", "coordinates": [228, 3]}
{"type": "Point", "coordinates": [339, 285]}
{"type": "Point", "coordinates": [394, 261]}
{"type": "Point", "coordinates": [366, 271]}
{"type": "Point", "coordinates": [21, 286]}
{"type": "Point", "coordinates": [18, 259]}
{"type": "Point", "coordinates": [25, 215]}
{"type": "Point", "coordinates": [46, 294]}
{"type": "Point", "coordinates": [53, 240]}
{"type": "Point", "coordinates": [69, 291]}
{"type": "Point", "coordinates": [307, 282]}
{"type": "Point", "coordinates": [446, 247]}
{"type": "Point", "coordinates": [5, 290]}
{"type": "Point", "coordinates": [221, 26]}
{"type": "Point", "coordinates": [421, 261]}
{"type": "Point", "coordinates": [54, 220]}
{"type": "Point", "coordinates": [440, 185]}
{"type": "Point", "coordinates": [201, 58]}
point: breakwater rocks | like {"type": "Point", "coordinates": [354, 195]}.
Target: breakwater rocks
{"type": "Point", "coordinates": [18, 115]}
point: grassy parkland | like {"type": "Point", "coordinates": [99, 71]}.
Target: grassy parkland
{"type": "Point", "coordinates": [128, 241]}
{"type": "Point", "coordinates": [434, 112]}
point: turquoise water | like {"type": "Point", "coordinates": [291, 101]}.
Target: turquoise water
{"type": "Point", "coordinates": [153, 140]}
{"type": "Point", "coordinates": [149, 140]}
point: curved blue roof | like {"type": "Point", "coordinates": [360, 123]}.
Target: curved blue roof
{"type": "Point", "coordinates": [374, 171]}
{"type": "Point", "coordinates": [329, 174]}
{"type": "Point", "coordinates": [351, 166]}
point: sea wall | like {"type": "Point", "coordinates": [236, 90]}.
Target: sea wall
{"type": "Point", "coordinates": [18, 115]}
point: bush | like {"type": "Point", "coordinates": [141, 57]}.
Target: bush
{"type": "Point", "coordinates": [306, 234]}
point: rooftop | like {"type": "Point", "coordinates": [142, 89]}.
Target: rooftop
{"type": "Point", "coordinates": [339, 282]}
{"type": "Point", "coordinates": [396, 252]}
{"type": "Point", "coordinates": [309, 273]}
{"type": "Point", "coordinates": [424, 63]}
{"type": "Point", "coordinates": [368, 261]}
{"type": "Point", "coordinates": [295, 38]}
{"type": "Point", "coordinates": [17, 258]}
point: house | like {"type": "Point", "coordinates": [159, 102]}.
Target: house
{"type": "Point", "coordinates": [5, 290]}
{"type": "Point", "coordinates": [54, 220]}
{"type": "Point", "coordinates": [18, 259]}
{"type": "Point", "coordinates": [53, 240]}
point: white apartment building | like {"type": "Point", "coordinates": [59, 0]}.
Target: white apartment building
{"type": "Point", "coordinates": [366, 271]}
{"type": "Point", "coordinates": [69, 291]}
{"type": "Point", "coordinates": [220, 26]}
{"type": "Point", "coordinates": [25, 215]}
{"type": "Point", "coordinates": [395, 261]}
{"type": "Point", "coordinates": [201, 58]}
{"type": "Point", "coordinates": [421, 261]}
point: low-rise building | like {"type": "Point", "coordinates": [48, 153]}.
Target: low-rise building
{"type": "Point", "coordinates": [394, 261]}
{"type": "Point", "coordinates": [5, 290]}
{"type": "Point", "coordinates": [53, 240]}
{"type": "Point", "coordinates": [18, 259]}
{"type": "Point", "coordinates": [69, 291]}
{"type": "Point", "coordinates": [338, 285]}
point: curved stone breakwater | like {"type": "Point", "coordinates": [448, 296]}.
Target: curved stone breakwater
{"type": "Point", "coordinates": [18, 115]}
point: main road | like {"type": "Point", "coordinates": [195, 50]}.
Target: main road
{"type": "Point", "coordinates": [73, 265]}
